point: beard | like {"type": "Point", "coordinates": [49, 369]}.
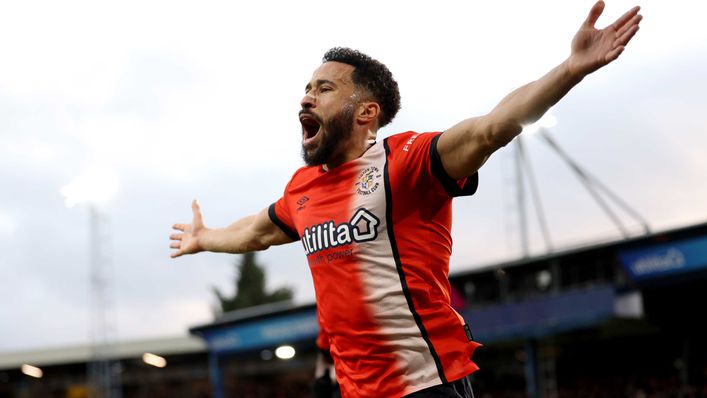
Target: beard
{"type": "Point", "coordinates": [335, 132]}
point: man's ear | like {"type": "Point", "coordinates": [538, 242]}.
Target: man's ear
{"type": "Point", "coordinates": [367, 112]}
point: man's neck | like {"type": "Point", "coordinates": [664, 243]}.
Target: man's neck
{"type": "Point", "coordinates": [355, 147]}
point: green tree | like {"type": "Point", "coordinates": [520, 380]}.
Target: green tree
{"type": "Point", "coordinates": [249, 287]}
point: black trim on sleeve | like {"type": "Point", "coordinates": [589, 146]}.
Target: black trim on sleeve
{"type": "Point", "coordinates": [399, 265]}
{"type": "Point", "coordinates": [450, 185]}
{"type": "Point", "coordinates": [287, 230]}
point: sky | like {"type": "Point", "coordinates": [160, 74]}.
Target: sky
{"type": "Point", "coordinates": [186, 100]}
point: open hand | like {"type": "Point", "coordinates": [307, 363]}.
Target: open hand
{"type": "Point", "coordinates": [186, 241]}
{"type": "Point", "coordinates": [593, 48]}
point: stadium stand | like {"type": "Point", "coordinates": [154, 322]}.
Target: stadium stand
{"type": "Point", "coordinates": [617, 319]}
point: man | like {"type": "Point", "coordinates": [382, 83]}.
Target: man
{"type": "Point", "coordinates": [374, 218]}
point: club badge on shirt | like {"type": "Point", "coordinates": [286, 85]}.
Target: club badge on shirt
{"type": "Point", "coordinates": [368, 181]}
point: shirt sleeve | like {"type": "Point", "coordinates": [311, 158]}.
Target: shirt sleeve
{"type": "Point", "coordinates": [416, 157]}
{"type": "Point", "coordinates": [462, 187]}
{"type": "Point", "coordinates": [280, 216]}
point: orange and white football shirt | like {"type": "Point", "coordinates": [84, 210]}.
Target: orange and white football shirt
{"type": "Point", "coordinates": [376, 232]}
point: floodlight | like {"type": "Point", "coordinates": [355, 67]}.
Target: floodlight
{"type": "Point", "coordinates": [543, 279]}
{"type": "Point", "coordinates": [154, 360]}
{"type": "Point", "coordinates": [547, 121]}
{"type": "Point", "coordinates": [285, 352]}
{"type": "Point", "coordinates": [266, 355]}
{"type": "Point", "coordinates": [32, 371]}
{"type": "Point", "coordinates": [94, 186]}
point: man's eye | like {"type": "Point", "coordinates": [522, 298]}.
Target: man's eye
{"type": "Point", "coordinates": [325, 89]}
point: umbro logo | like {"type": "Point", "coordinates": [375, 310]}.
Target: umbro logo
{"type": "Point", "coordinates": [301, 202]}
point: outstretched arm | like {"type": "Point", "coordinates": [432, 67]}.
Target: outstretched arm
{"type": "Point", "coordinates": [248, 234]}
{"type": "Point", "coordinates": [466, 146]}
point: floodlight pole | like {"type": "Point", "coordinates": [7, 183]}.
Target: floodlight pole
{"type": "Point", "coordinates": [523, 165]}
{"type": "Point", "coordinates": [593, 185]}
{"type": "Point", "coordinates": [520, 197]}
{"type": "Point", "coordinates": [90, 189]}
{"type": "Point", "coordinates": [103, 373]}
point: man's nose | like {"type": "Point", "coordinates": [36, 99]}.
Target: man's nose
{"type": "Point", "coordinates": [307, 102]}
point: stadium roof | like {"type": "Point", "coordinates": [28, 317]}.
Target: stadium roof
{"type": "Point", "coordinates": [255, 313]}
{"type": "Point", "coordinates": [656, 237]}
{"type": "Point", "coordinates": [82, 353]}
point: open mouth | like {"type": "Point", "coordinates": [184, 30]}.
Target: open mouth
{"type": "Point", "coordinates": [310, 126]}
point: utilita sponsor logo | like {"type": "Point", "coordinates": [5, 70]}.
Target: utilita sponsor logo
{"type": "Point", "coordinates": [672, 259]}
{"type": "Point", "coordinates": [362, 227]}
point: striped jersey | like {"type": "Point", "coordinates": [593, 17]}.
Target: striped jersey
{"type": "Point", "coordinates": [376, 232]}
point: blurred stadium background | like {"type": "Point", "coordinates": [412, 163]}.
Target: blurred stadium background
{"type": "Point", "coordinates": [618, 319]}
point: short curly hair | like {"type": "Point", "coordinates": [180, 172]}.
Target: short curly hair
{"type": "Point", "coordinates": [373, 77]}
